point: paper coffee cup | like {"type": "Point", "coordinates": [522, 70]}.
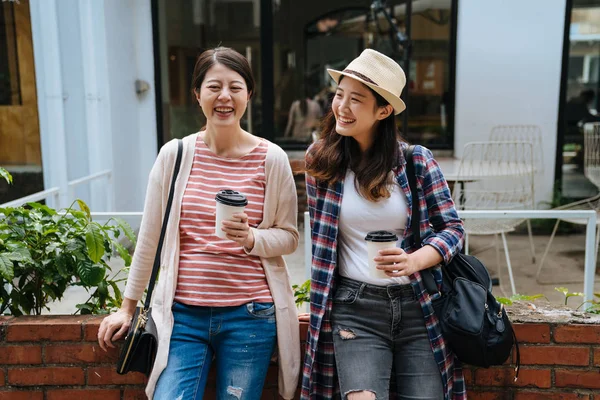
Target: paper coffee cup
{"type": "Point", "coordinates": [379, 240]}
{"type": "Point", "coordinates": [229, 202]}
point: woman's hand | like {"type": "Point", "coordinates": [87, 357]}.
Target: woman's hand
{"type": "Point", "coordinates": [239, 232]}
{"type": "Point", "coordinates": [395, 262]}
{"type": "Point", "coordinates": [113, 327]}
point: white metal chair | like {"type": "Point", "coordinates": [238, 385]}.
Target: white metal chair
{"type": "Point", "coordinates": [525, 133]}
{"type": "Point", "coordinates": [591, 168]}
{"type": "Point", "coordinates": [591, 152]}
{"type": "Point", "coordinates": [495, 176]}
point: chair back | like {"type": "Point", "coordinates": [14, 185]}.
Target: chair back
{"type": "Point", "coordinates": [591, 155]}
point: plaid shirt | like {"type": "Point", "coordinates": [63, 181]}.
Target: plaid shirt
{"type": "Point", "coordinates": [440, 228]}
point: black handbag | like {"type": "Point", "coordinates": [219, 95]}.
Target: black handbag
{"type": "Point", "coordinates": [139, 350]}
{"type": "Point", "coordinates": [473, 322]}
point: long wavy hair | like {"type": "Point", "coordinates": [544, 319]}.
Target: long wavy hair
{"type": "Point", "coordinates": [330, 157]}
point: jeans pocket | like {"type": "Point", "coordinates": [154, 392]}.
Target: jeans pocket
{"type": "Point", "coordinates": [261, 310]}
{"type": "Point", "coordinates": [345, 295]}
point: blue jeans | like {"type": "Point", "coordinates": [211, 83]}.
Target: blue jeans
{"type": "Point", "coordinates": [241, 339]}
{"type": "Point", "coordinates": [377, 330]}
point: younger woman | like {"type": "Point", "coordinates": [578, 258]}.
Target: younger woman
{"type": "Point", "coordinates": [365, 331]}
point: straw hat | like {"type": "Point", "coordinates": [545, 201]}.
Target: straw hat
{"type": "Point", "coordinates": [380, 73]}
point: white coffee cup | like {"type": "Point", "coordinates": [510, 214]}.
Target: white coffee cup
{"type": "Point", "coordinates": [379, 240]}
{"type": "Point", "coordinates": [229, 202]}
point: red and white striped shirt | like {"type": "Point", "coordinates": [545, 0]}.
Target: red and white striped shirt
{"type": "Point", "coordinates": [217, 272]}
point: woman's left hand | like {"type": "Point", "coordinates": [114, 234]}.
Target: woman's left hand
{"type": "Point", "coordinates": [396, 262]}
{"type": "Point", "coordinates": [239, 232]}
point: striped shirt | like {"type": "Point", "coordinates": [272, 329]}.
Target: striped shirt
{"type": "Point", "coordinates": [217, 272]}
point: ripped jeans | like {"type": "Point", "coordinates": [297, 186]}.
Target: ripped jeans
{"type": "Point", "coordinates": [241, 339]}
{"type": "Point", "coordinates": [376, 328]}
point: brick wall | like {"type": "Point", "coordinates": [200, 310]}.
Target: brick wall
{"type": "Point", "coordinates": [57, 357]}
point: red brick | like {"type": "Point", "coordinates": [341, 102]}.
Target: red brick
{"type": "Point", "coordinates": [90, 328]}
{"type": "Point", "coordinates": [577, 334]}
{"type": "Point", "coordinates": [2, 377]}
{"type": "Point", "coordinates": [540, 378]}
{"type": "Point", "coordinates": [303, 333]}
{"type": "Point", "coordinates": [46, 327]}
{"type": "Point", "coordinates": [468, 374]}
{"type": "Point", "coordinates": [134, 394]}
{"type": "Point", "coordinates": [13, 395]}
{"type": "Point", "coordinates": [87, 394]}
{"type": "Point", "coordinates": [548, 396]}
{"type": "Point", "coordinates": [488, 395]}
{"type": "Point", "coordinates": [555, 355]}
{"type": "Point", "coordinates": [78, 353]}
{"type": "Point", "coordinates": [577, 379]}
{"type": "Point", "coordinates": [597, 357]}
{"type": "Point", "coordinates": [21, 355]}
{"type": "Point", "coordinates": [46, 376]}
{"type": "Point", "coordinates": [108, 376]}
{"type": "Point", "coordinates": [532, 333]}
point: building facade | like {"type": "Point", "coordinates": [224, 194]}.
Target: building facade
{"type": "Point", "coordinates": [94, 86]}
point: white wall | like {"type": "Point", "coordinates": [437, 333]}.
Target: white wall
{"type": "Point", "coordinates": [88, 56]}
{"type": "Point", "coordinates": [133, 118]}
{"type": "Point", "coordinates": [508, 67]}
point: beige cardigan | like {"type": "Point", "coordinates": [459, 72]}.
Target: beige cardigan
{"type": "Point", "coordinates": [276, 235]}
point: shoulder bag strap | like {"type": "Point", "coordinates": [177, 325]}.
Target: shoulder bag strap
{"type": "Point", "coordinates": [427, 277]}
{"type": "Point", "coordinates": [156, 265]}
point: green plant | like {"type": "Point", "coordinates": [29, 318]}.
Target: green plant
{"type": "Point", "coordinates": [5, 175]}
{"type": "Point", "coordinates": [507, 301]}
{"type": "Point", "coordinates": [302, 293]}
{"type": "Point", "coordinates": [565, 291]}
{"type": "Point", "coordinates": [43, 251]}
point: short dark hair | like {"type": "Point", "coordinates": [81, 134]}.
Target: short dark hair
{"type": "Point", "coordinates": [227, 57]}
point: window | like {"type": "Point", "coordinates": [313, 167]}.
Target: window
{"type": "Point", "coordinates": [10, 93]}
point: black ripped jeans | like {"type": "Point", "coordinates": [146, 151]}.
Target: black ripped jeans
{"type": "Point", "coordinates": [375, 328]}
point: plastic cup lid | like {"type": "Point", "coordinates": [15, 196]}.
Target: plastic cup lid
{"type": "Point", "coordinates": [231, 198]}
{"type": "Point", "coordinates": [381, 236]}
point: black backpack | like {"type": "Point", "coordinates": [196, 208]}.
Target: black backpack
{"type": "Point", "coordinates": [473, 322]}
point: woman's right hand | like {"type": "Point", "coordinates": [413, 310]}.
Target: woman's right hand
{"type": "Point", "coordinates": [113, 327]}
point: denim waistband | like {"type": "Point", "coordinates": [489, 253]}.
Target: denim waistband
{"type": "Point", "coordinates": [392, 291]}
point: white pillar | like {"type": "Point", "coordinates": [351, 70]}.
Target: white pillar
{"type": "Point", "coordinates": [50, 95]}
{"type": "Point", "coordinates": [98, 124]}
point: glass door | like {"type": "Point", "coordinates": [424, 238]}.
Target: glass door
{"type": "Point", "coordinates": [582, 103]}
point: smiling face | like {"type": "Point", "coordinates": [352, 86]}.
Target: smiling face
{"type": "Point", "coordinates": [223, 96]}
{"type": "Point", "coordinates": [356, 111]}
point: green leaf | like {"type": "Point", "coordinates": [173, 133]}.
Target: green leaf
{"type": "Point", "coordinates": [516, 297]}
{"type": "Point", "coordinates": [504, 300]}
{"type": "Point", "coordinates": [90, 274]}
{"type": "Point", "coordinates": [6, 175]}
{"type": "Point", "coordinates": [95, 242]}
{"type": "Point", "coordinates": [126, 229]}
{"type": "Point", "coordinates": [42, 207]}
{"type": "Point", "coordinates": [123, 253]}
{"type": "Point", "coordinates": [118, 295]}
{"type": "Point", "coordinates": [562, 290]}
{"type": "Point", "coordinates": [20, 254]}
{"type": "Point", "coordinates": [62, 263]}
{"type": "Point", "coordinates": [86, 308]}
{"type": "Point", "coordinates": [6, 268]}
{"type": "Point", "coordinates": [84, 207]}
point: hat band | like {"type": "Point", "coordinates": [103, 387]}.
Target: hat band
{"type": "Point", "coordinates": [361, 76]}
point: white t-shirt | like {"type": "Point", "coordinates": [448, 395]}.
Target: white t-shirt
{"type": "Point", "coordinates": [358, 216]}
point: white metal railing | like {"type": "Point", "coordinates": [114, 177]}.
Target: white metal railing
{"type": "Point", "coordinates": [589, 216]}
{"type": "Point", "coordinates": [54, 192]}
